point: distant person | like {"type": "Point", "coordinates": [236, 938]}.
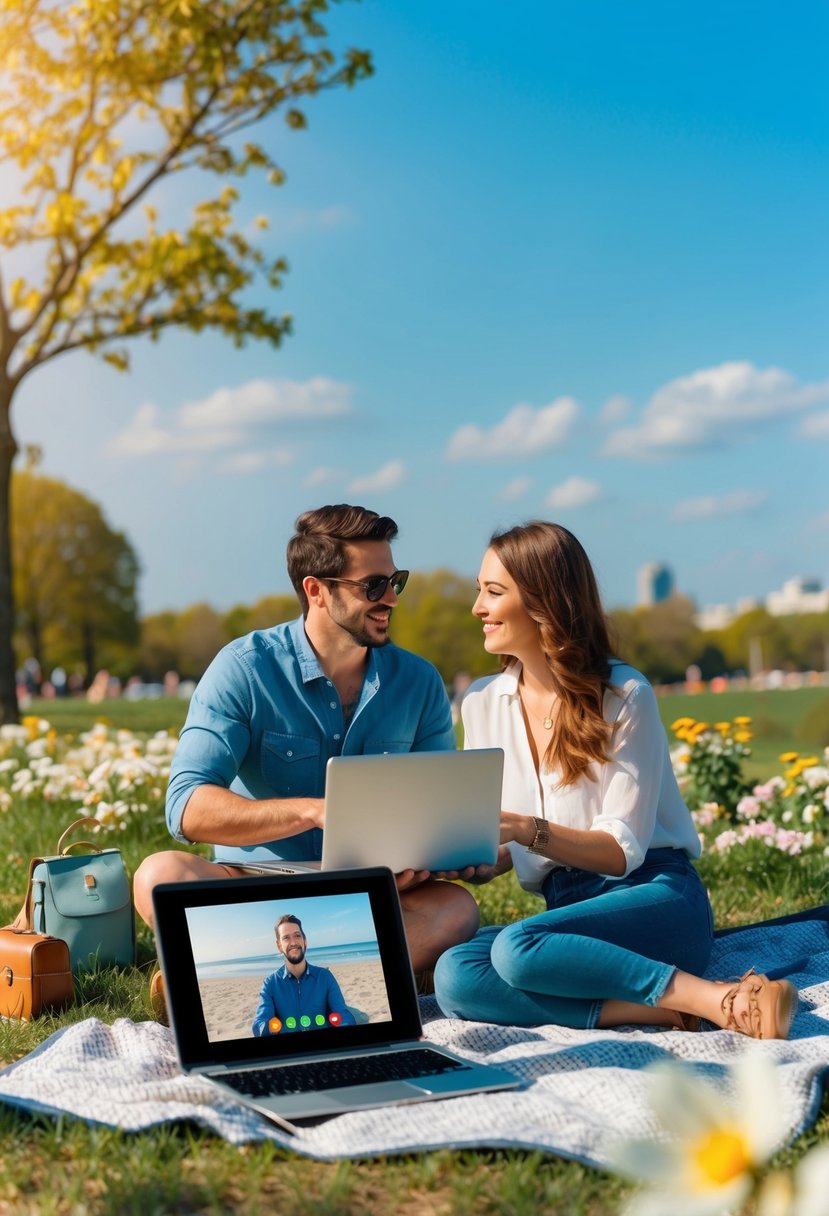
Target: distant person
{"type": "Point", "coordinates": [248, 775]}
{"type": "Point", "coordinates": [593, 821]}
{"type": "Point", "coordinates": [59, 681]}
{"type": "Point", "coordinates": [172, 684]}
{"type": "Point", "coordinates": [298, 996]}
{"type": "Point", "coordinates": [98, 689]}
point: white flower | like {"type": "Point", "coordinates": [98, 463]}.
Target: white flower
{"type": "Point", "coordinates": [802, 1194]}
{"type": "Point", "coordinates": [816, 777]}
{"type": "Point", "coordinates": [810, 813]}
{"type": "Point", "coordinates": [718, 1143]}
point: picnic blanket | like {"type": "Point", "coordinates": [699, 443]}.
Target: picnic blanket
{"type": "Point", "coordinates": [584, 1088]}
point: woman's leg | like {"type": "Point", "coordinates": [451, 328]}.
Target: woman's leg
{"type": "Point", "coordinates": [623, 943]}
{"type": "Point", "coordinates": [468, 986]}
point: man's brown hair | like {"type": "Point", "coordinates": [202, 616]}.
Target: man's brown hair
{"type": "Point", "coordinates": [318, 545]}
{"type": "Point", "coordinates": [288, 919]}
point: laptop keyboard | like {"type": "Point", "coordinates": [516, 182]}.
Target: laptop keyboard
{"type": "Point", "coordinates": [333, 1074]}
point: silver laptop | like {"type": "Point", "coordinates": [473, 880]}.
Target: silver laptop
{"type": "Point", "coordinates": [408, 811]}
{"type": "Point", "coordinates": [344, 1036]}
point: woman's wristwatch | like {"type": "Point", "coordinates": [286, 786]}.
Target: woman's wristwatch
{"type": "Point", "coordinates": [542, 836]}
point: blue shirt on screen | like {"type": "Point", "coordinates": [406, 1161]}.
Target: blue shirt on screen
{"type": "Point", "coordinates": [265, 719]}
{"type": "Point", "coordinates": [314, 995]}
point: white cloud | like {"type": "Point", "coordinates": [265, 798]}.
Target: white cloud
{"type": "Point", "coordinates": [337, 215]}
{"type": "Point", "coordinates": [574, 492]}
{"type": "Point", "coordinates": [738, 502]}
{"type": "Point", "coordinates": [815, 426]}
{"type": "Point", "coordinates": [389, 477]}
{"type": "Point", "coordinates": [615, 409]}
{"type": "Point", "coordinates": [525, 431]}
{"type": "Point", "coordinates": [516, 488]}
{"type": "Point", "coordinates": [254, 461]}
{"type": "Point", "coordinates": [150, 434]}
{"type": "Point", "coordinates": [230, 418]}
{"type": "Point", "coordinates": [713, 407]}
{"type": "Point", "coordinates": [265, 401]}
{"type": "Point", "coordinates": [320, 476]}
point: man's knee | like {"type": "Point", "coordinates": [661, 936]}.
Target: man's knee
{"type": "Point", "coordinates": [172, 865]}
{"type": "Point", "coordinates": [457, 915]}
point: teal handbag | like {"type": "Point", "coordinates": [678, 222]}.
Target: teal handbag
{"type": "Point", "coordinates": [84, 899]}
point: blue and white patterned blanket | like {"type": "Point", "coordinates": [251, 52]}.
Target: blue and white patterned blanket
{"type": "Point", "coordinates": [584, 1088]}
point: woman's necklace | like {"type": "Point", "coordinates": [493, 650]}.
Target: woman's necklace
{"type": "Point", "coordinates": [547, 721]}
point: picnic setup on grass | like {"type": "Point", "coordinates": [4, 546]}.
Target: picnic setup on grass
{"type": "Point", "coordinates": [581, 1095]}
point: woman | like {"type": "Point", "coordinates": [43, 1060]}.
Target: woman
{"type": "Point", "coordinates": [596, 823]}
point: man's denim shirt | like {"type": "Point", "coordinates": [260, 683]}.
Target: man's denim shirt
{"type": "Point", "coordinates": [284, 996]}
{"type": "Point", "coordinates": [265, 719]}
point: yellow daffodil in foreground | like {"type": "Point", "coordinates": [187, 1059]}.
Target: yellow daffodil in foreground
{"type": "Point", "coordinates": [718, 1143]}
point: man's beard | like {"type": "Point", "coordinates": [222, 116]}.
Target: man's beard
{"type": "Point", "coordinates": [352, 624]}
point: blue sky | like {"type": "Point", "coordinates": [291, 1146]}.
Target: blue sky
{"type": "Point", "coordinates": [245, 930]}
{"type": "Point", "coordinates": [554, 260]}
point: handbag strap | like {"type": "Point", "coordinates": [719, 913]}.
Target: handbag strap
{"type": "Point", "coordinates": [76, 844]}
{"type": "Point", "coordinates": [23, 920]}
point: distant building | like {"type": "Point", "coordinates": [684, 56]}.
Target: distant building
{"type": "Point", "coordinates": [655, 583]}
{"type": "Point", "coordinates": [797, 595]}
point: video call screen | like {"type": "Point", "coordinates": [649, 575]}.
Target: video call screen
{"type": "Point", "coordinates": [249, 989]}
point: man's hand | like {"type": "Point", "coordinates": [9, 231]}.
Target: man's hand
{"type": "Point", "coordinates": [407, 879]}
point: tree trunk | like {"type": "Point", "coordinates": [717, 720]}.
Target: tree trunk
{"type": "Point", "coordinates": [89, 652]}
{"type": "Point", "coordinates": [8, 450]}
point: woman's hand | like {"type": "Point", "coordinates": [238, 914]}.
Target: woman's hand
{"type": "Point", "coordinates": [482, 873]}
{"type": "Point", "coordinates": [520, 828]}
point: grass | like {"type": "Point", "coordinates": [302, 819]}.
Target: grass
{"type": "Point", "coordinates": [63, 1166]}
{"type": "Point", "coordinates": [782, 720]}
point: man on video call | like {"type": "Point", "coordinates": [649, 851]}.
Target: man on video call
{"type": "Point", "coordinates": [248, 775]}
{"type": "Point", "coordinates": [298, 995]}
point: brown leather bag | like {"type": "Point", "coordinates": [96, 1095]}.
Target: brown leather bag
{"type": "Point", "coordinates": [34, 973]}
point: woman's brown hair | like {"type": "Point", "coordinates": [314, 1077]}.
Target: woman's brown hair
{"type": "Point", "coordinates": [558, 588]}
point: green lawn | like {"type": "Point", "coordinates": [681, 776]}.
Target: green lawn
{"type": "Point", "coordinates": [74, 714]}
{"type": "Point", "coordinates": [782, 720]}
{"type": "Point", "coordinates": [66, 1167]}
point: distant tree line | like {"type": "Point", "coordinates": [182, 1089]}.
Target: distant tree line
{"type": "Point", "coordinates": [76, 607]}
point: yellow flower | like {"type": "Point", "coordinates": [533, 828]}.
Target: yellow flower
{"type": "Point", "coordinates": [723, 727]}
{"type": "Point", "coordinates": [742, 721]}
{"type": "Point", "coordinates": [743, 736]}
{"type": "Point", "coordinates": [682, 724]}
{"type": "Point", "coordinates": [788, 757]}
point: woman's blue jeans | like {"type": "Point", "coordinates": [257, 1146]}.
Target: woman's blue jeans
{"type": "Point", "coordinates": [600, 939]}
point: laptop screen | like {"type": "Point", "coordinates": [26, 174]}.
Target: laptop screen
{"type": "Point", "coordinates": [260, 968]}
{"type": "Point", "coordinates": [287, 965]}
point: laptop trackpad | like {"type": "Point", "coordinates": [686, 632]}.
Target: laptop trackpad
{"type": "Point", "coordinates": [378, 1094]}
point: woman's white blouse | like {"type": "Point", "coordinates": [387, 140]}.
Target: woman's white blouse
{"type": "Point", "coordinates": [634, 796]}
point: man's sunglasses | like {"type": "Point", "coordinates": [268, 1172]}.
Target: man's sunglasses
{"type": "Point", "coordinates": [375, 586]}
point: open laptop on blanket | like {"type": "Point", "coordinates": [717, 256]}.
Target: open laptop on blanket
{"type": "Point", "coordinates": [408, 811]}
{"type": "Point", "coordinates": [216, 944]}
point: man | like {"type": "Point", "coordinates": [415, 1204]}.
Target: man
{"type": "Point", "coordinates": [298, 996]}
{"type": "Point", "coordinates": [248, 775]}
